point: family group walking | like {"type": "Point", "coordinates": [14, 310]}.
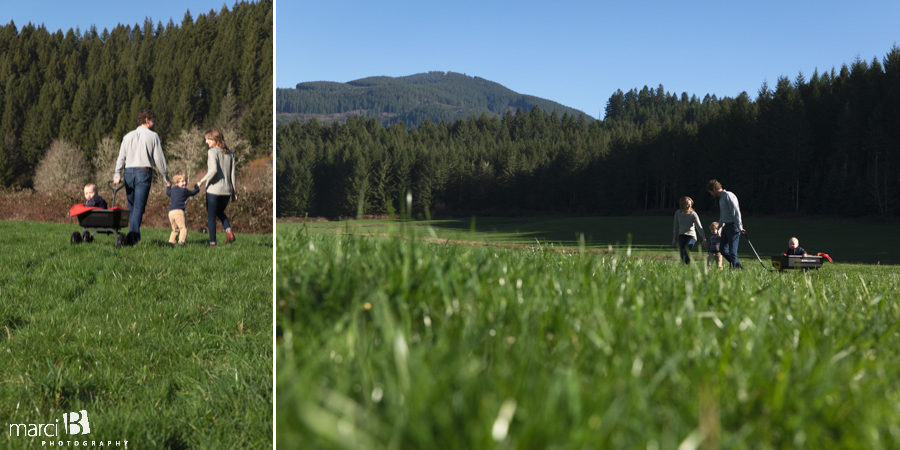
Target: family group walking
{"type": "Point", "coordinates": [724, 235]}
{"type": "Point", "coordinates": [141, 150]}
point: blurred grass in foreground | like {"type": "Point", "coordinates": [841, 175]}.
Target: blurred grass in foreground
{"type": "Point", "coordinates": [393, 342]}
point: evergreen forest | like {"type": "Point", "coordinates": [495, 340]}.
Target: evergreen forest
{"type": "Point", "coordinates": [413, 99]}
{"type": "Point", "coordinates": [86, 86]}
{"type": "Point", "coordinates": [828, 144]}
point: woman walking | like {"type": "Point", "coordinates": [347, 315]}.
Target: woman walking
{"type": "Point", "coordinates": [686, 227]}
{"type": "Point", "coordinates": [220, 187]}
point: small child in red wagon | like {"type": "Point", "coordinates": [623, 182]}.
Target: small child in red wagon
{"type": "Point", "coordinates": [794, 248]}
{"type": "Point", "coordinates": [92, 198]}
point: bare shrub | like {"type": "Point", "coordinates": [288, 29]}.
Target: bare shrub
{"type": "Point", "coordinates": [63, 167]}
{"type": "Point", "coordinates": [188, 153]}
{"type": "Point", "coordinates": [104, 160]}
{"type": "Point", "coordinates": [237, 144]}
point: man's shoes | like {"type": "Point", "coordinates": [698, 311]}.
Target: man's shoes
{"type": "Point", "coordinates": [229, 236]}
{"type": "Point", "coordinates": [132, 239]}
{"type": "Point", "coordinates": [212, 244]}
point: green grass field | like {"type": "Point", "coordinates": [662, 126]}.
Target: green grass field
{"type": "Point", "coordinates": [391, 341]}
{"type": "Point", "coordinates": [845, 240]}
{"type": "Point", "coordinates": [163, 347]}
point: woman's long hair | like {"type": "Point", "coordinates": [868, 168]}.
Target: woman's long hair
{"type": "Point", "coordinates": [217, 137]}
{"type": "Point", "coordinates": [686, 204]}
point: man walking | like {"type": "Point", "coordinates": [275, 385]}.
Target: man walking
{"type": "Point", "coordinates": [729, 222]}
{"type": "Point", "coordinates": [140, 150]}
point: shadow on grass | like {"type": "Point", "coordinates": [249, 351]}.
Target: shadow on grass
{"type": "Point", "coordinates": [593, 232]}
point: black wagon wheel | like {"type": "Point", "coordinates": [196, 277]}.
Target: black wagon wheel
{"type": "Point", "coordinates": [86, 237]}
{"type": "Point", "coordinates": [76, 238]}
{"type": "Point", "coordinates": [120, 240]}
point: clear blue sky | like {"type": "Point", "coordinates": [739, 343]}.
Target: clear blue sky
{"type": "Point", "coordinates": [579, 52]}
{"type": "Point", "coordinates": [63, 15]}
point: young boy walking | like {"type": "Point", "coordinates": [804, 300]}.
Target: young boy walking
{"type": "Point", "coordinates": [179, 195]}
{"type": "Point", "coordinates": [714, 253]}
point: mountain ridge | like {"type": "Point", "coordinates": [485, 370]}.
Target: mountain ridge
{"type": "Point", "coordinates": [411, 99]}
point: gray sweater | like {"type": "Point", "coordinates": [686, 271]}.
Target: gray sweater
{"type": "Point", "coordinates": [220, 172]}
{"type": "Point", "coordinates": [141, 148]}
{"type": "Point", "coordinates": [688, 224]}
{"type": "Point", "coordinates": [729, 211]}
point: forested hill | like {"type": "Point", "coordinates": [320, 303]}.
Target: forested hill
{"type": "Point", "coordinates": [87, 86]}
{"type": "Point", "coordinates": [435, 96]}
{"type": "Point", "coordinates": [826, 144]}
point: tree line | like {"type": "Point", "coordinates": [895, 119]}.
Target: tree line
{"type": "Point", "coordinates": [829, 144]}
{"type": "Point", "coordinates": [87, 86]}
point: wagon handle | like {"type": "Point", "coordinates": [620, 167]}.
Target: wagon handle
{"type": "Point", "coordinates": [747, 236]}
{"type": "Point", "coordinates": [115, 190]}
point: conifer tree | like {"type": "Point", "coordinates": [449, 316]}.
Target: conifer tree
{"type": "Point", "coordinates": [82, 86]}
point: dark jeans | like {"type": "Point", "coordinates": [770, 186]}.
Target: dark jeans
{"type": "Point", "coordinates": [686, 245]}
{"type": "Point", "coordinates": [215, 208]}
{"type": "Point", "coordinates": [731, 237]}
{"type": "Point", "coordinates": [137, 189]}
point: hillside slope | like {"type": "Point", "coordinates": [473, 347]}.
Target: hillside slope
{"type": "Point", "coordinates": [435, 96]}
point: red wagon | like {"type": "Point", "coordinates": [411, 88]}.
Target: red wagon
{"type": "Point", "coordinates": [96, 220]}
